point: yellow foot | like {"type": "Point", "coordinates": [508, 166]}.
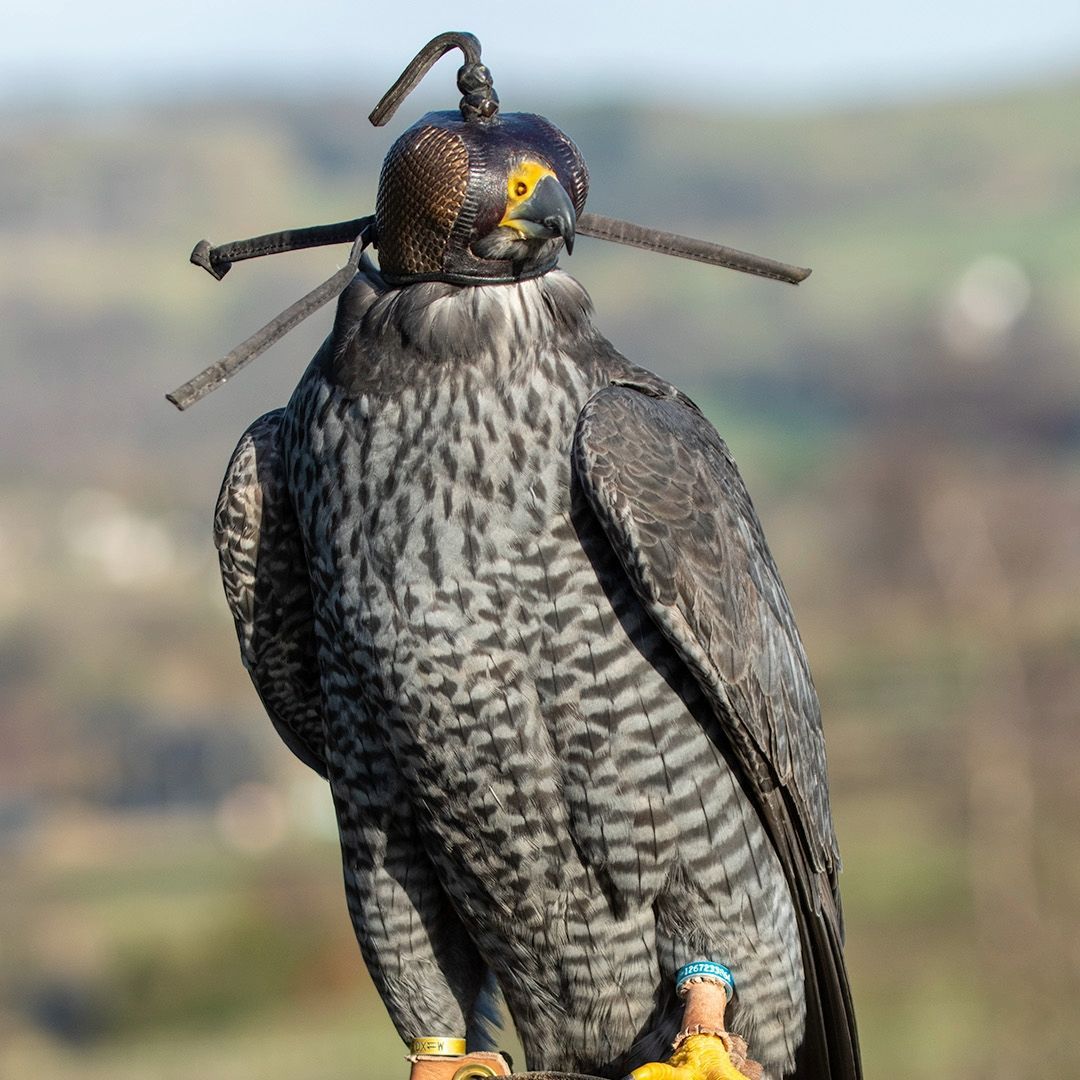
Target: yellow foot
{"type": "Point", "coordinates": [703, 1057]}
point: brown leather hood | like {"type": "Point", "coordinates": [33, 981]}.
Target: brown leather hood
{"type": "Point", "coordinates": [443, 184]}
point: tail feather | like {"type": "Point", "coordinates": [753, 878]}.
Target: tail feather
{"type": "Point", "coordinates": [486, 1019]}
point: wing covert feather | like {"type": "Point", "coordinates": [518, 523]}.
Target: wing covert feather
{"type": "Point", "coordinates": [265, 577]}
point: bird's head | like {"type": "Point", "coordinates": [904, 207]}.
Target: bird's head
{"type": "Point", "coordinates": [476, 202]}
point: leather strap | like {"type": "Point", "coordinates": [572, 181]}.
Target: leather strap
{"type": "Point", "coordinates": [479, 100]}
{"type": "Point", "coordinates": [686, 247]}
{"type": "Point", "coordinates": [224, 369]}
{"type": "Point", "coordinates": [217, 260]}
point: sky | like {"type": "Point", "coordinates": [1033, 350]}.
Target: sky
{"type": "Point", "coordinates": [748, 52]}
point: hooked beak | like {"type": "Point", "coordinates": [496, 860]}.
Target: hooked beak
{"type": "Point", "coordinates": [547, 212]}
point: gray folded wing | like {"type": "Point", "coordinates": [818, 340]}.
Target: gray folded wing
{"type": "Point", "coordinates": [265, 576]}
{"type": "Point", "coordinates": [674, 508]}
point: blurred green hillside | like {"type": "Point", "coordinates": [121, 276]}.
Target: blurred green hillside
{"type": "Point", "coordinates": [908, 421]}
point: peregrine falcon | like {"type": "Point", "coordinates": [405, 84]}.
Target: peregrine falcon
{"type": "Point", "coordinates": [507, 592]}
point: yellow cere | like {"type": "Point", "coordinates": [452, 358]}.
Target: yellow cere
{"type": "Point", "coordinates": [522, 183]}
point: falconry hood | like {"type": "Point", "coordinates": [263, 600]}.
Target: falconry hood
{"type": "Point", "coordinates": [474, 196]}
{"type": "Point", "coordinates": [470, 197]}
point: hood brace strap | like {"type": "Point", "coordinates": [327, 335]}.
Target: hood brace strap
{"type": "Point", "coordinates": [217, 261]}
{"type": "Point", "coordinates": [217, 374]}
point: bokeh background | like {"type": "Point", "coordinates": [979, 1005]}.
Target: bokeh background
{"type": "Point", "coordinates": [908, 422]}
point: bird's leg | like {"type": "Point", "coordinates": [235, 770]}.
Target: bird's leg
{"type": "Point", "coordinates": [704, 1049]}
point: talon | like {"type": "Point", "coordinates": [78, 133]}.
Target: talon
{"type": "Point", "coordinates": [656, 1070]}
{"type": "Point", "coordinates": [703, 1057]}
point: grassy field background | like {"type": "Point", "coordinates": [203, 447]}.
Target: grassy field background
{"type": "Point", "coordinates": [909, 425]}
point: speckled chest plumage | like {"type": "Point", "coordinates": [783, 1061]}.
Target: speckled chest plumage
{"type": "Point", "coordinates": [490, 676]}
